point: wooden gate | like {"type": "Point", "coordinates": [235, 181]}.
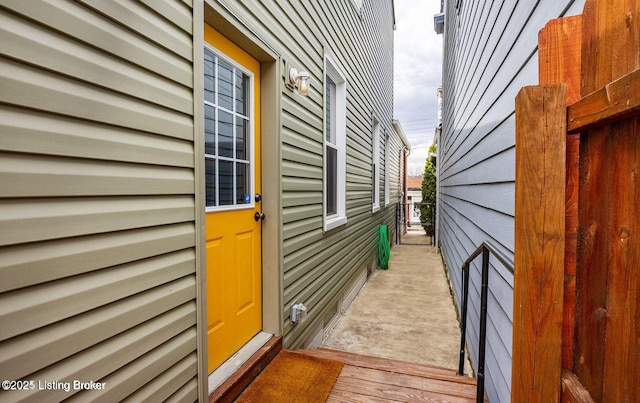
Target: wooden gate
{"type": "Point", "coordinates": [577, 259]}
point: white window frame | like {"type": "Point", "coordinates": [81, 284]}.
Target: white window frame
{"type": "Point", "coordinates": [252, 185]}
{"type": "Point", "coordinates": [375, 156]}
{"type": "Point", "coordinates": [333, 70]}
{"type": "Point", "coordinates": [387, 170]}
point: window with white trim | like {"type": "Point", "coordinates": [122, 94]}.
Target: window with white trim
{"type": "Point", "coordinates": [228, 133]}
{"type": "Point", "coordinates": [375, 168]}
{"type": "Point", "coordinates": [335, 127]}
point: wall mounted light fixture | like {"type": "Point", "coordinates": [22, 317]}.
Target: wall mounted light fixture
{"type": "Point", "coordinates": [303, 77]}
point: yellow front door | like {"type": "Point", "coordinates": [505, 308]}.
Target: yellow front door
{"type": "Point", "coordinates": [233, 230]}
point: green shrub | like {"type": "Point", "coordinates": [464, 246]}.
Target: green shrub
{"type": "Point", "coordinates": [428, 206]}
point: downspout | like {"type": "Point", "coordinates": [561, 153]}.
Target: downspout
{"type": "Point", "coordinates": [406, 149]}
{"type": "Point", "coordinates": [405, 187]}
{"type": "Point", "coordinates": [437, 232]}
{"type": "Point", "coordinates": [406, 152]}
{"type": "Point", "coordinates": [438, 134]}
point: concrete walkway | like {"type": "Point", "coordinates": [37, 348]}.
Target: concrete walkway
{"type": "Point", "coordinates": [404, 313]}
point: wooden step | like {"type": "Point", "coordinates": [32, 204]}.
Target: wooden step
{"type": "Point", "coordinates": [371, 379]}
{"type": "Point", "coordinates": [232, 387]}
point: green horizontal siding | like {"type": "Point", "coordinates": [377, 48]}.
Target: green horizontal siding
{"type": "Point", "coordinates": [318, 266]}
{"type": "Point", "coordinates": [97, 217]}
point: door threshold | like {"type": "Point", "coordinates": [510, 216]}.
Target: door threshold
{"type": "Point", "coordinates": [229, 367]}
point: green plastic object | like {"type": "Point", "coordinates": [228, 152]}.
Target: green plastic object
{"type": "Point", "coordinates": [383, 248]}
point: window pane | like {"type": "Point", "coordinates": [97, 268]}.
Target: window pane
{"type": "Point", "coordinates": [226, 182]}
{"type": "Point", "coordinates": [225, 134]}
{"type": "Point", "coordinates": [209, 77]}
{"type": "Point", "coordinates": [376, 163]}
{"type": "Point", "coordinates": [209, 130]}
{"type": "Point", "coordinates": [225, 85]}
{"type": "Point", "coordinates": [243, 195]}
{"type": "Point", "coordinates": [228, 171]}
{"type": "Point", "coordinates": [211, 180]}
{"type": "Point", "coordinates": [242, 127]}
{"type": "Point", "coordinates": [334, 117]}
{"type": "Point", "coordinates": [331, 192]}
{"type": "Point", "coordinates": [242, 93]}
{"type": "Point", "coordinates": [330, 110]}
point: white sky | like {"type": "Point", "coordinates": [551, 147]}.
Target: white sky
{"type": "Point", "coordinates": [418, 73]}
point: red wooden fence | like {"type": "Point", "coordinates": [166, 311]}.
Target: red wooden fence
{"type": "Point", "coordinates": [577, 311]}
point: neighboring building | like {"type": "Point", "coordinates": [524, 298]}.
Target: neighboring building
{"type": "Point", "coordinates": [161, 175]}
{"type": "Point", "coordinates": [414, 198]}
{"type": "Point", "coordinates": [490, 53]}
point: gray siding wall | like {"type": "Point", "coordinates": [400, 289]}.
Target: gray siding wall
{"type": "Point", "coordinates": [490, 53]}
{"type": "Point", "coordinates": [97, 203]}
{"type": "Point", "coordinates": [317, 266]}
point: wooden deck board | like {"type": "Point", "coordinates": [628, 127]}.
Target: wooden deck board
{"type": "Point", "coordinates": [374, 379]}
{"type": "Point", "coordinates": [391, 365]}
{"type": "Point", "coordinates": [408, 381]}
{"type": "Point", "coordinates": [338, 396]}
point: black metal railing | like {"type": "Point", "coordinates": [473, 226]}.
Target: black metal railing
{"type": "Point", "coordinates": [412, 219]}
{"type": "Point", "coordinates": [486, 249]}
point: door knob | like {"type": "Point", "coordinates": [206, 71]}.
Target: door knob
{"type": "Point", "coordinates": [258, 216]}
{"type": "Point", "coordinates": [258, 197]}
